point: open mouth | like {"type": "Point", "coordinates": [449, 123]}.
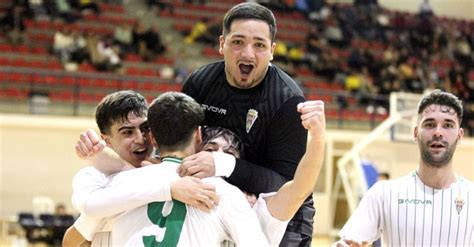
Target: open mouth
{"type": "Point", "coordinates": [140, 151]}
{"type": "Point", "coordinates": [437, 145]}
{"type": "Point", "coordinates": [245, 69]}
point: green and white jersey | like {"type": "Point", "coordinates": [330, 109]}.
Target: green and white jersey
{"type": "Point", "coordinates": [172, 223]}
{"type": "Point", "coordinates": [406, 212]}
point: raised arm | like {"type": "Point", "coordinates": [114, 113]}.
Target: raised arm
{"type": "Point", "coordinates": [284, 204]}
{"type": "Point", "coordinates": [92, 148]}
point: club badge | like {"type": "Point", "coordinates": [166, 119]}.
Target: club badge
{"type": "Point", "coordinates": [459, 204]}
{"type": "Point", "coordinates": [252, 115]}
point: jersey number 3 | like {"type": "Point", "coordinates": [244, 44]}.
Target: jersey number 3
{"type": "Point", "coordinates": [172, 223]}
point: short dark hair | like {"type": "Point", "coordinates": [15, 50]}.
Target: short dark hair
{"type": "Point", "coordinates": [174, 116]}
{"type": "Point", "coordinates": [248, 11]}
{"type": "Point", "coordinates": [210, 133]}
{"type": "Point", "coordinates": [438, 97]}
{"type": "Point", "coordinates": [116, 107]}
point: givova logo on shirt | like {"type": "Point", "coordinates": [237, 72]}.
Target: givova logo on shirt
{"type": "Point", "coordinates": [214, 109]}
{"type": "Point", "coordinates": [414, 201]}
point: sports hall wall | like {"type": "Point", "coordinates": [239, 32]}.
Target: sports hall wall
{"type": "Point", "coordinates": [37, 158]}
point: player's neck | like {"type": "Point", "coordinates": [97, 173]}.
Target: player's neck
{"type": "Point", "coordinates": [437, 178]}
{"type": "Point", "coordinates": [179, 154]}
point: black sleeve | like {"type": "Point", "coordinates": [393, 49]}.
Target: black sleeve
{"type": "Point", "coordinates": [190, 87]}
{"type": "Point", "coordinates": [285, 145]}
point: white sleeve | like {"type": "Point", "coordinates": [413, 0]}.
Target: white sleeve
{"type": "Point", "coordinates": [364, 224]}
{"type": "Point", "coordinates": [127, 190]}
{"type": "Point", "coordinates": [224, 164]}
{"type": "Point", "coordinates": [273, 228]}
{"type": "Point", "coordinates": [239, 219]}
{"type": "Point", "coordinates": [86, 181]}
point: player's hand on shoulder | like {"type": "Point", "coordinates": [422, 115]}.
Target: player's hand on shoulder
{"type": "Point", "coordinates": [89, 143]}
{"type": "Point", "coordinates": [194, 192]}
{"type": "Point", "coordinates": [200, 165]}
{"type": "Point", "coordinates": [313, 117]}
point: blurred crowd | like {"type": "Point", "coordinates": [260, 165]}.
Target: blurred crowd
{"type": "Point", "coordinates": [366, 49]}
{"type": "Point", "coordinates": [372, 51]}
{"type": "Point", "coordinates": [75, 46]}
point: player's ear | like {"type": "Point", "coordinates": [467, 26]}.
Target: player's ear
{"type": "Point", "coordinates": [221, 44]}
{"type": "Point", "coordinates": [415, 134]}
{"type": "Point", "coordinates": [198, 135]}
{"type": "Point", "coordinates": [272, 49]}
{"type": "Point", "coordinates": [460, 134]}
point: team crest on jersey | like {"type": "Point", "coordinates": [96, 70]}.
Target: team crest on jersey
{"type": "Point", "coordinates": [252, 115]}
{"type": "Point", "coordinates": [459, 204]}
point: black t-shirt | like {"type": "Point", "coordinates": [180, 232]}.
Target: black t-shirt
{"type": "Point", "coordinates": [274, 142]}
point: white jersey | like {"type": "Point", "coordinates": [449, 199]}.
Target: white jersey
{"type": "Point", "coordinates": [273, 228]}
{"type": "Point", "coordinates": [96, 200]}
{"type": "Point", "coordinates": [85, 182]}
{"type": "Point", "coordinates": [172, 223]}
{"type": "Point", "coordinates": [126, 190]}
{"type": "Point", "coordinates": [406, 212]}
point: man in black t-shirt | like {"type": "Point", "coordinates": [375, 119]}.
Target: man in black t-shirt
{"type": "Point", "coordinates": [258, 101]}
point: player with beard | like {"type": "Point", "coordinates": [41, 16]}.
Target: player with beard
{"type": "Point", "coordinates": [255, 99]}
{"type": "Point", "coordinates": [432, 206]}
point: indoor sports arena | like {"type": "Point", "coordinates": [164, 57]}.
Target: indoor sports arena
{"type": "Point", "coordinates": [324, 98]}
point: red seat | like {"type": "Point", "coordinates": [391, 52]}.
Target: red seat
{"type": "Point", "coordinates": [148, 72]}
{"type": "Point", "coordinates": [133, 71]}
{"type": "Point", "coordinates": [19, 62]}
{"type": "Point", "coordinates": [64, 96]}
{"type": "Point", "coordinates": [14, 93]}
{"type": "Point", "coordinates": [6, 48]}
{"type": "Point", "coordinates": [84, 82]}
{"type": "Point", "coordinates": [4, 61]}
{"type": "Point", "coordinates": [86, 67]}
{"type": "Point", "coordinates": [99, 83]}
{"type": "Point", "coordinates": [86, 97]}
{"type": "Point", "coordinates": [53, 64]}
{"type": "Point", "coordinates": [164, 60]}
{"type": "Point", "coordinates": [22, 49]}
{"type": "Point", "coordinates": [69, 81]}
{"type": "Point", "coordinates": [4, 77]}
{"type": "Point", "coordinates": [19, 77]}
{"type": "Point", "coordinates": [114, 84]}
{"type": "Point", "coordinates": [129, 85]}
{"type": "Point", "coordinates": [46, 80]}
{"type": "Point", "coordinates": [39, 50]}
{"type": "Point", "coordinates": [148, 86]}
{"type": "Point", "coordinates": [175, 87]}
{"type": "Point", "coordinates": [132, 57]}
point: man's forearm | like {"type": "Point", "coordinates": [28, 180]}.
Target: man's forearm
{"type": "Point", "coordinates": [292, 194]}
{"type": "Point", "coordinates": [128, 190]}
{"type": "Point", "coordinates": [73, 238]}
{"type": "Point", "coordinates": [108, 162]}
